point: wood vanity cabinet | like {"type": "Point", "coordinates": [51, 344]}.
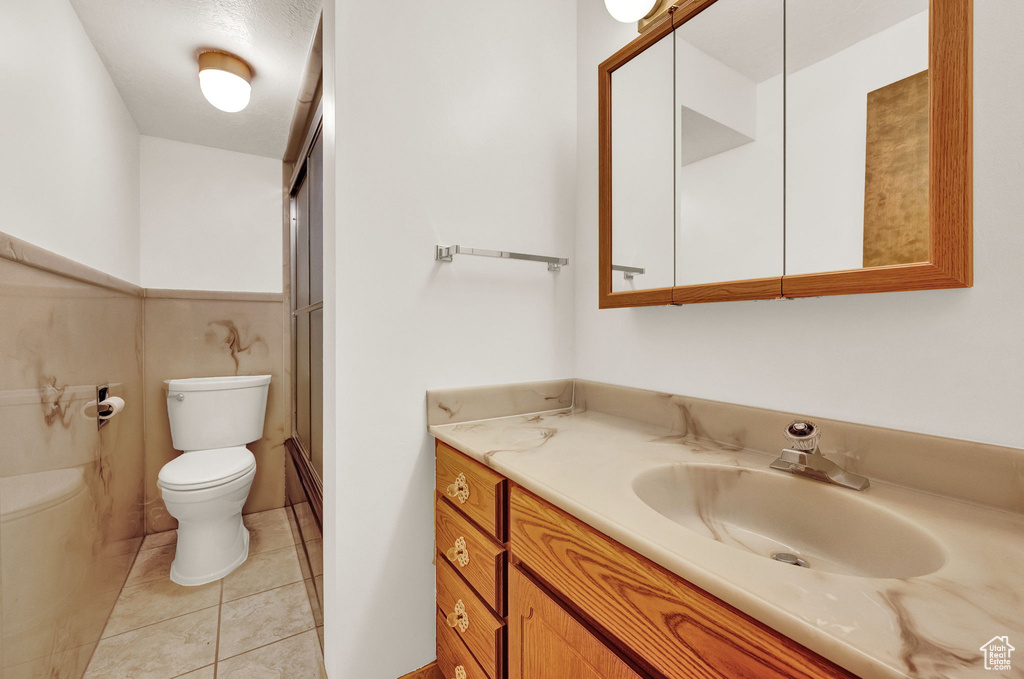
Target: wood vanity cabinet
{"type": "Point", "coordinates": [579, 604]}
{"type": "Point", "coordinates": [546, 642]}
{"type": "Point", "coordinates": [475, 490]}
{"type": "Point", "coordinates": [471, 557]}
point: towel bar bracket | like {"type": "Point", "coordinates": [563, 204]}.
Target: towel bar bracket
{"type": "Point", "coordinates": [629, 271]}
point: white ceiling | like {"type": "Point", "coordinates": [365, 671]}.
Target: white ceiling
{"type": "Point", "coordinates": [747, 35]}
{"type": "Point", "coordinates": [150, 48]}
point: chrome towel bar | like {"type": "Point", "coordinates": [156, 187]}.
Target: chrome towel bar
{"type": "Point", "coordinates": [444, 253]}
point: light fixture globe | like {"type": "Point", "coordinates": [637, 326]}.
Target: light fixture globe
{"type": "Point", "coordinates": [224, 81]}
{"type": "Point", "coordinates": [630, 11]}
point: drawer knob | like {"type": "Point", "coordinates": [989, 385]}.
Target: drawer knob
{"type": "Point", "coordinates": [459, 618]}
{"type": "Point", "coordinates": [460, 489]}
{"type": "Point", "coordinates": [460, 672]}
{"type": "Point", "coordinates": [459, 553]}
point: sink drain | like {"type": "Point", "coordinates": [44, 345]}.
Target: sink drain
{"type": "Point", "coordinates": [791, 559]}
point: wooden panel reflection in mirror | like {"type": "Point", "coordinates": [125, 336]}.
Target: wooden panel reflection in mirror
{"type": "Point", "coordinates": [896, 173]}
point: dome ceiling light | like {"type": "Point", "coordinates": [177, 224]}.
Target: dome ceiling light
{"type": "Point", "coordinates": [224, 80]}
{"type": "Point", "coordinates": [641, 11]}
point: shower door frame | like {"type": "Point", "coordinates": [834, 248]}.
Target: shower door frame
{"type": "Point", "coordinates": [299, 450]}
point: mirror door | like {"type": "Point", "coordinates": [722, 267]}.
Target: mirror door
{"type": "Point", "coordinates": [642, 165]}
{"type": "Point", "coordinates": [636, 147]}
{"type": "Point", "coordinates": [856, 134]}
{"type": "Point", "coordinates": [878, 146]}
{"type": "Point", "coordinates": [692, 158]}
{"type": "Point", "coordinates": [729, 219]}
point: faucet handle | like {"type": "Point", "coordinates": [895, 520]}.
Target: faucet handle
{"type": "Point", "coordinates": [802, 435]}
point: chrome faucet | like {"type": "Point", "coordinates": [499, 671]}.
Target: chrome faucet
{"type": "Point", "coordinates": [805, 459]}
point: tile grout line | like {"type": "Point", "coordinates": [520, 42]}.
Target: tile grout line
{"type": "Point", "coordinates": [309, 567]}
{"type": "Point", "coordinates": [144, 582]}
{"type": "Point", "coordinates": [269, 589]}
{"type": "Point", "coordinates": [178, 676]}
{"type": "Point", "coordinates": [204, 608]}
{"type": "Point", "coordinates": [271, 643]}
{"type": "Point", "coordinates": [118, 598]}
{"type": "Point", "coordinates": [153, 549]}
{"type": "Point", "coordinates": [158, 622]}
{"type": "Point", "coordinates": [220, 616]}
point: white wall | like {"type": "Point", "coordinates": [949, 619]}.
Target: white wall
{"type": "Point", "coordinates": [455, 123]}
{"type": "Point", "coordinates": [707, 86]}
{"type": "Point", "coordinates": [69, 149]}
{"type": "Point", "coordinates": [948, 362]}
{"type": "Point", "coordinates": [210, 218]}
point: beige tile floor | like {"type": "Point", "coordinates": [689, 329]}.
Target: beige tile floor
{"type": "Point", "coordinates": [260, 622]}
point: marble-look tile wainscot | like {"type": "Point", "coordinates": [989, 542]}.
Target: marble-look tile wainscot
{"type": "Point", "coordinates": [207, 338]}
{"type": "Point", "coordinates": [71, 496]}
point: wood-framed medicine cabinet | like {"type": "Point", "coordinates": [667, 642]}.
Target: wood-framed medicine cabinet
{"type": "Point", "coordinates": [787, 148]}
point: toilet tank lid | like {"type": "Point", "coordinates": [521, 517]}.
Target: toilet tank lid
{"type": "Point", "coordinates": [217, 383]}
{"type": "Point", "coordinates": [205, 467]}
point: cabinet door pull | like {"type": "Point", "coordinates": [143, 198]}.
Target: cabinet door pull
{"type": "Point", "coordinates": [459, 553]}
{"type": "Point", "coordinates": [460, 489]}
{"type": "Point", "coordinates": [460, 672]}
{"type": "Point", "coordinates": [459, 618]}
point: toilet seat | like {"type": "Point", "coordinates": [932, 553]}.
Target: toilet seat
{"type": "Point", "coordinates": [201, 469]}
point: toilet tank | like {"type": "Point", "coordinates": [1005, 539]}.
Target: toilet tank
{"type": "Point", "coordinates": [216, 412]}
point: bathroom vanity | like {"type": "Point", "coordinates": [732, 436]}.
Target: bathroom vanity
{"type": "Point", "coordinates": [666, 625]}
{"type": "Point", "coordinates": [586, 530]}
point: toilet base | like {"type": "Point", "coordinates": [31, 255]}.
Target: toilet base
{"type": "Point", "coordinates": [212, 540]}
{"type": "Point", "coordinates": [185, 571]}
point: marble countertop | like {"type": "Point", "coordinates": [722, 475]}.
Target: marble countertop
{"type": "Point", "coordinates": [584, 461]}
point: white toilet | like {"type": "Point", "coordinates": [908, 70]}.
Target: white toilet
{"type": "Point", "coordinates": [204, 488]}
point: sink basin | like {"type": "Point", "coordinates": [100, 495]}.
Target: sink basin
{"type": "Point", "coordinates": [825, 527]}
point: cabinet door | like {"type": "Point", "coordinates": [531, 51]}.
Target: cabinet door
{"type": "Point", "coordinates": [545, 642]}
{"type": "Point", "coordinates": [729, 151]}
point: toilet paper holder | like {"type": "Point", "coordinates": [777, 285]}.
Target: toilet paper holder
{"type": "Point", "coordinates": [102, 392]}
{"type": "Point", "coordinates": [104, 409]}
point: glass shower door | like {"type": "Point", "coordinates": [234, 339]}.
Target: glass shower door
{"type": "Point", "coordinates": [307, 307]}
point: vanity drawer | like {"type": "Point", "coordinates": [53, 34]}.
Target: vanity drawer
{"type": "Point", "coordinates": [453, 654]}
{"type": "Point", "coordinates": [668, 624]}
{"type": "Point", "coordinates": [477, 627]}
{"type": "Point", "coordinates": [473, 489]}
{"type": "Point", "coordinates": [479, 559]}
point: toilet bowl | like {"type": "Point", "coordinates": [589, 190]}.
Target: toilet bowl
{"type": "Point", "coordinates": [206, 486]}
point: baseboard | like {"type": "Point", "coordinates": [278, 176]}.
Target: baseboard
{"type": "Point", "coordinates": [426, 672]}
